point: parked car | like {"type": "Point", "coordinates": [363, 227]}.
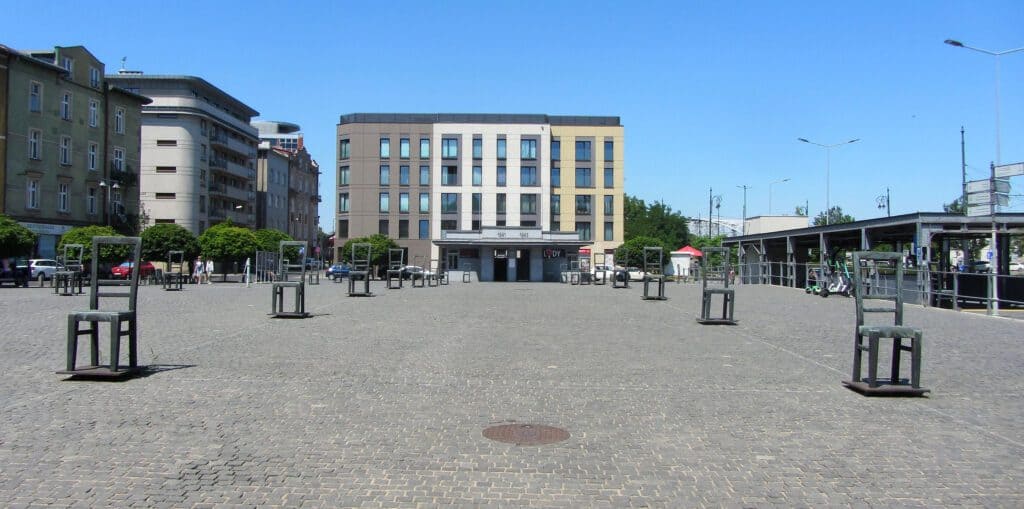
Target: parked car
{"type": "Point", "coordinates": [14, 271]}
{"type": "Point", "coordinates": [124, 271]}
{"type": "Point", "coordinates": [607, 268]}
{"type": "Point", "coordinates": [338, 271]}
{"type": "Point", "coordinates": [44, 266]}
{"type": "Point", "coordinates": [409, 270]}
{"type": "Point", "coordinates": [1016, 268]}
{"type": "Point", "coordinates": [635, 274]}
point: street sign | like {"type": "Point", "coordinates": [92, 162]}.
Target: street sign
{"type": "Point", "coordinates": [978, 210]}
{"type": "Point", "coordinates": [984, 186]}
{"type": "Point", "coordinates": [986, 198]}
{"type": "Point", "coordinates": [1010, 170]}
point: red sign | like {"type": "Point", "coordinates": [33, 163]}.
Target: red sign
{"type": "Point", "coordinates": [584, 250]}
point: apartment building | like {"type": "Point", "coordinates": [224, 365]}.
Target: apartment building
{"type": "Point", "coordinates": [481, 192]}
{"type": "Point", "coordinates": [199, 152]}
{"type": "Point", "coordinates": [295, 210]}
{"type": "Point", "coordinates": [71, 152]}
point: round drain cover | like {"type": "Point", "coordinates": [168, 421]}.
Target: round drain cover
{"type": "Point", "coordinates": [526, 434]}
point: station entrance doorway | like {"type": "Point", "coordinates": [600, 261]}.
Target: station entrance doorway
{"type": "Point", "coordinates": [522, 265]}
{"type": "Point", "coordinates": [501, 265]}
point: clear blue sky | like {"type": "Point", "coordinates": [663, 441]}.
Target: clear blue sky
{"type": "Point", "coordinates": [712, 94]}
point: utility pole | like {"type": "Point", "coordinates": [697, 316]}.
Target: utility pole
{"type": "Point", "coordinates": [710, 214]}
{"type": "Point", "coordinates": [963, 173]}
{"type": "Point", "coordinates": [744, 187]}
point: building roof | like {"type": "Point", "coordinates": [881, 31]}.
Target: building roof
{"type": "Point", "coordinates": [139, 77]}
{"type": "Point", "coordinates": [477, 118]}
{"type": "Point", "coordinates": [28, 57]}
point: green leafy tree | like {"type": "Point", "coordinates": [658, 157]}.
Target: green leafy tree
{"type": "Point", "coordinates": [15, 239]}
{"type": "Point", "coordinates": [270, 240]}
{"type": "Point", "coordinates": [379, 245]}
{"type": "Point", "coordinates": [227, 243]}
{"type": "Point", "coordinates": [800, 210]}
{"type": "Point", "coordinates": [158, 239]}
{"type": "Point", "coordinates": [83, 235]}
{"type": "Point", "coordinates": [954, 207]}
{"type": "Point", "coordinates": [835, 216]}
{"type": "Point", "coordinates": [631, 252]}
{"type": "Point", "coordinates": [656, 220]}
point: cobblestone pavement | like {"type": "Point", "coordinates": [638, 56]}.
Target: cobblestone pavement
{"type": "Point", "coordinates": [382, 401]}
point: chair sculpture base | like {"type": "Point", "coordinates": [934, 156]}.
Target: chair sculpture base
{"type": "Point", "coordinates": [103, 372]}
{"type": "Point", "coordinates": [277, 300]}
{"type": "Point", "coordinates": [659, 283]}
{"type": "Point", "coordinates": [394, 278]}
{"type": "Point", "coordinates": [313, 277]}
{"type": "Point", "coordinates": [600, 277]}
{"type": "Point", "coordinates": [444, 277]}
{"type": "Point", "coordinates": [868, 340]}
{"type": "Point", "coordinates": [728, 301]}
{"type": "Point", "coordinates": [433, 279]}
{"type": "Point", "coordinates": [620, 279]}
{"type": "Point", "coordinates": [92, 320]}
{"type": "Point", "coordinates": [886, 387]}
{"type": "Point", "coordinates": [467, 277]}
{"type": "Point", "coordinates": [417, 276]}
{"type": "Point", "coordinates": [173, 281]}
{"type": "Point", "coordinates": [67, 283]}
{"type": "Point", "coordinates": [363, 278]}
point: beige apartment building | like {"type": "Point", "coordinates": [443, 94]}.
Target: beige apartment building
{"type": "Point", "coordinates": [483, 193]}
{"type": "Point", "coordinates": [71, 144]}
{"type": "Point", "coordinates": [288, 182]}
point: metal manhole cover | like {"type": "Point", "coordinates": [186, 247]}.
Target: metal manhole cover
{"type": "Point", "coordinates": [526, 434]}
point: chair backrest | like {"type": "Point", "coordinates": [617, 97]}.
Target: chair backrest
{"type": "Point", "coordinates": [435, 266]}
{"type": "Point", "coordinates": [574, 262]}
{"type": "Point", "coordinates": [362, 254]}
{"type": "Point", "coordinates": [72, 257]}
{"type": "Point", "coordinates": [654, 260]}
{"type": "Point", "coordinates": [716, 266]}
{"type": "Point", "coordinates": [135, 255]}
{"type": "Point", "coordinates": [285, 266]}
{"type": "Point", "coordinates": [396, 259]}
{"type": "Point", "coordinates": [865, 261]}
{"type": "Point", "coordinates": [175, 259]}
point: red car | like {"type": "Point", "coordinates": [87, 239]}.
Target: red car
{"type": "Point", "coordinates": [124, 271]}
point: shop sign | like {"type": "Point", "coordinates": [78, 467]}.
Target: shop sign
{"type": "Point", "coordinates": [554, 253]}
{"type": "Point", "coordinates": [584, 250]}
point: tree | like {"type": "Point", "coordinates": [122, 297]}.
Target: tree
{"type": "Point", "coordinates": [801, 210]}
{"type": "Point", "coordinates": [631, 252]}
{"type": "Point", "coordinates": [83, 235]}
{"type": "Point", "coordinates": [225, 242]}
{"type": "Point", "coordinates": [270, 240]}
{"type": "Point", "coordinates": [835, 216]}
{"type": "Point", "coordinates": [158, 239]}
{"type": "Point", "coordinates": [954, 207]}
{"type": "Point", "coordinates": [15, 239]}
{"type": "Point", "coordinates": [379, 245]}
{"type": "Point", "coordinates": [656, 220]}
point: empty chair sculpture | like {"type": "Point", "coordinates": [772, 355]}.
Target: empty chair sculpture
{"type": "Point", "coordinates": [715, 281]}
{"type": "Point", "coordinates": [600, 268]}
{"type": "Point", "coordinates": [359, 274]}
{"type": "Point", "coordinates": [396, 260]}
{"type": "Point", "coordinates": [433, 274]}
{"type": "Point", "coordinates": [122, 320]}
{"type": "Point", "coordinates": [285, 272]}
{"type": "Point", "coordinates": [867, 337]}
{"type": "Point", "coordinates": [620, 274]}
{"type": "Point", "coordinates": [654, 261]}
{"type": "Point", "coordinates": [574, 269]}
{"type": "Point", "coordinates": [68, 280]}
{"type": "Point", "coordinates": [174, 277]}
{"type": "Point", "coordinates": [418, 273]}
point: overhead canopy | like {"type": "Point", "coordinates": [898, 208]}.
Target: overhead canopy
{"type": "Point", "coordinates": [690, 250]}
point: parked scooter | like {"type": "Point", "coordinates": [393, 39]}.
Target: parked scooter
{"type": "Point", "coordinates": [839, 281]}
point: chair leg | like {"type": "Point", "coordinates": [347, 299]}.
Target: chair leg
{"type": "Point", "coordinates": [897, 352]}
{"type": "Point", "coordinates": [115, 344]}
{"type": "Point", "coordinates": [94, 343]}
{"type": "Point", "coordinates": [873, 360]}
{"type": "Point", "coordinates": [916, 345]}
{"type": "Point", "coordinates": [72, 342]}
{"type": "Point", "coordinates": [858, 352]}
{"type": "Point", "coordinates": [133, 343]}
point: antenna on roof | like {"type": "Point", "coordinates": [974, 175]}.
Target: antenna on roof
{"type": "Point", "coordinates": [123, 63]}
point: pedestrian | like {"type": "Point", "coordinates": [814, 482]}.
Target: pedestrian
{"type": "Point", "coordinates": [197, 271]}
{"type": "Point", "coordinates": [209, 271]}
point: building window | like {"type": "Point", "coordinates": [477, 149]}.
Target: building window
{"type": "Point", "coordinates": [167, 143]}
{"type": "Point", "coordinates": [478, 148]}
{"type": "Point", "coordinates": [609, 177]}
{"type": "Point", "coordinates": [32, 194]}
{"type": "Point", "coordinates": [403, 148]}
{"type": "Point", "coordinates": [65, 150]}
{"type": "Point", "coordinates": [403, 203]}
{"type": "Point", "coordinates": [609, 205]}
{"type": "Point", "coordinates": [528, 223]}
{"type": "Point", "coordinates": [93, 156]}
{"type": "Point", "coordinates": [342, 228]}
{"type": "Point", "coordinates": [344, 149]}
{"type": "Point", "coordinates": [424, 175]}
{"type": "Point", "coordinates": [94, 113]}
{"type": "Point", "coordinates": [35, 142]}
{"type": "Point", "coordinates": [582, 150]}
{"type": "Point", "coordinates": [450, 176]}
{"type": "Point", "coordinates": [476, 225]}
{"type": "Point", "coordinates": [556, 150]}
{"type": "Point", "coordinates": [478, 176]}
{"type": "Point", "coordinates": [90, 200]}
{"type": "Point", "coordinates": [499, 203]}
{"type": "Point", "coordinates": [343, 205]}
{"type": "Point", "coordinates": [424, 202]}
{"type": "Point", "coordinates": [609, 230]}
{"type": "Point", "coordinates": [202, 127]}
{"type": "Point", "coordinates": [65, 106]}
{"type": "Point", "coordinates": [556, 204]}
{"type": "Point", "coordinates": [449, 203]}
{"type": "Point", "coordinates": [501, 148]}
{"type": "Point", "coordinates": [528, 176]}
{"type": "Point", "coordinates": [403, 228]}
{"type": "Point", "coordinates": [583, 228]}
{"type": "Point", "coordinates": [528, 204]}
{"type": "Point", "coordinates": [202, 152]}
{"type": "Point", "coordinates": [528, 149]}
{"type": "Point", "coordinates": [499, 222]}
{"type": "Point", "coordinates": [173, 169]}
{"type": "Point", "coordinates": [424, 229]}
{"type": "Point", "coordinates": [584, 205]}
{"type": "Point", "coordinates": [385, 202]}
{"type": "Point", "coordinates": [385, 175]}
{"type": "Point", "coordinates": [403, 175]}
{"type": "Point", "coordinates": [62, 197]}
{"type": "Point", "coordinates": [35, 97]}
{"type": "Point", "coordinates": [449, 224]}
{"type": "Point", "coordinates": [424, 148]}
{"type": "Point", "coordinates": [383, 226]}
{"type": "Point", "coordinates": [609, 151]}
{"type": "Point", "coordinates": [116, 200]}
{"type": "Point", "coordinates": [166, 196]}
{"type": "Point", "coordinates": [556, 226]}
{"type": "Point", "coordinates": [500, 177]}
{"type": "Point", "coordinates": [343, 176]}
{"type": "Point", "coordinates": [449, 148]}
{"type": "Point", "coordinates": [556, 177]}
{"type": "Point", "coordinates": [584, 177]}
{"type": "Point", "coordinates": [94, 77]}
{"type": "Point", "coordinates": [68, 64]}
{"type": "Point", "coordinates": [119, 121]}
{"type": "Point", "coordinates": [385, 148]}
{"type": "Point", "coordinates": [478, 199]}
{"type": "Point", "coordinates": [118, 159]}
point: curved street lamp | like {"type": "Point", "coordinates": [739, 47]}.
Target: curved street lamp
{"type": "Point", "coordinates": [828, 171]}
{"type": "Point", "coordinates": [770, 184]}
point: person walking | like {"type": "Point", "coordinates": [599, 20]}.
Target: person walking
{"type": "Point", "coordinates": [209, 271]}
{"type": "Point", "coordinates": [197, 271]}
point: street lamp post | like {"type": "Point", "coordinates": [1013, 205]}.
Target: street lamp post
{"type": "Point", "coordinates": [828, 171]}
{"type": "Point", "coordinates": [109, 208]}
{"type": "Point", "coordinates": [770, 193]}
{"type": "Point", "coordinates": [883, 202]}
{"type": "Point", "coordinates": [744, 187]}
{"type": "Point", "coordinates": [997, 54]}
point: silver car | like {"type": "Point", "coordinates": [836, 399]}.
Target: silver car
{"type": "Point", "coordinates": [44, 266]}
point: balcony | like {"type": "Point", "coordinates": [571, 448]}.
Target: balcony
{"type": "Point", "coordinates": [315, 198]}
{"type": "Point", "coordinates": [232, 144]}
{"type": "Point", "coordinates": [238, 217]}
{"type": "Point", "coordinates": [232, 192]}
{"type": "Point", "coordinates": [123, 174]}
{"type": "Point", "coordinates": [222, 164]}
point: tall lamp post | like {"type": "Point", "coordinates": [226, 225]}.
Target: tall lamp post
{"type": "Point", "coordinates": [770, 193]}
{"type": "Point", "coordinates": [997, 54]}
{"type": "Point", "coordinates": [883, 202]}
{"type": "Point", "coordinates": [110, 205]}
{"type": "Point", "coordinates": [744, 187]}
{"type": "Point", "coordinates": [828, 171]}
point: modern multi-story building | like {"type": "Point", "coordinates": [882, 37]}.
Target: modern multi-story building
{"type": "Point", "coordinates": [483, 192]}
{"type": "Point", "coordinates": [72, 144]}
{"type": "Point", "coordinates": [301, 180]}
{"type": "Point", "coordinates": [199, 152]}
